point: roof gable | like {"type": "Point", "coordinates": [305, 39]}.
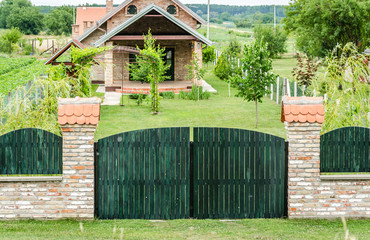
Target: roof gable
{"type": "Point", "coordinates": [141, 14]}
{"type": "Point", "coordinates": [73, 42]}
{"type": "Point", "coordinates": [127, 2]}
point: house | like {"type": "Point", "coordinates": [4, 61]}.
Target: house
{"type": "Point", "coordinates": [172, 24]}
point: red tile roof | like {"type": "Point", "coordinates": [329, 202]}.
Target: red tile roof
{"type": "Point", "coordinates": [79, 111]}
{"type": "Point", "coordinates": [303, 109]}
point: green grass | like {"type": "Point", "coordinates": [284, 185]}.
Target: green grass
{"type": "Point", "coordinates": [220, 111]}
{"type": "Point", "coordinates": [94, 87]}
{"type": "Point", "coordinates": [184, 229]}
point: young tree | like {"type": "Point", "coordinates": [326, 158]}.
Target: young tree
{"type": "Point", "coordinates": [196, 72]}
{"type": "Point", "coordinates": [258, 65]}
{"type": "Point", "coordinates": [275, 39]}
{"type": "Point", "coordinates": [305, 72]}
{"type": "Point", "coordinates": [12, 36]}
{"type": "Point", "coordinates": [150, 63]}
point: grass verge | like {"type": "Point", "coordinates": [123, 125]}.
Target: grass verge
{"type": "Point", "coordinates": [184, 229]}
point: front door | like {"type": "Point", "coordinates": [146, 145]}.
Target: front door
{"type": "Point", "coordinates": [169, 58]}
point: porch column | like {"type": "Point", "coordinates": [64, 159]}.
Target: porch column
{"type": "Point", "coordinates": [108, 73]}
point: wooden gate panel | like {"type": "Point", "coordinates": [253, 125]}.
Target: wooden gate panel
{"type": "Point", "coordinates": [144, 175]}
{"type": "Point", "coordinates": [238, 174]}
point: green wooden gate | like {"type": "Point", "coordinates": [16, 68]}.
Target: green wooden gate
{"type": "Point", "coordinates": [30, 151]}
{"type": "Point", "coordinates": [160, 174]}
{"type": "Point", "coordinates": [144, 175]}
{"type": "Point", "coordinates": [345, 150]}
{"type": "Point", "coordinates": [238, 174]}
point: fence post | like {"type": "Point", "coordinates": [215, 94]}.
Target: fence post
{"type": "Point", "coordinates": [78, 119]}
{"type": "Point", "coordinates": [288, 87]}
{"type": "Point", "coordinates": [272, 92]}
{"type": "Point", "coordinates": [295, 89]}
{"type": "Point", "coordinates": [277, 89]}
{"type": "Point", "coordinates": [303, 119]}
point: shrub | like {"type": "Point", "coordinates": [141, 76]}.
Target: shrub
{"type": "Point", "coordinates": [193, 94]}
{"type": "Point", "coordinates": [167, 95]}
{"type": "Point", "coordinates": [275, 39]}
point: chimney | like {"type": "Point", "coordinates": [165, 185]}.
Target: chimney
{"type": "Point", "coordinates": [109, 5]}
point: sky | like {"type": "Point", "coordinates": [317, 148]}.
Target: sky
{"type": "Point", "coordinates": [225, 2]}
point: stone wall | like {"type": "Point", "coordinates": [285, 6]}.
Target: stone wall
{"type": "Point", "coordinates": [68, 196]}
{"type": "Point", "coordinates": [310, 194]}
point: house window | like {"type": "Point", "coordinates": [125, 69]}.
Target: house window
{"type": "Point", "coordinates": [172, 9]}
{"type": "Point", "coordinates": [132, 9]}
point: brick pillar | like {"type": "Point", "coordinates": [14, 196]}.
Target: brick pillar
{"type": "Point", "coordinates": [109, 5]}
{"type": "Point", "coordinates": [108, 73]}
{"type": "Point", "coordinates": [78, 119]}
{"type": "Point", "coordinates": [303, 117]}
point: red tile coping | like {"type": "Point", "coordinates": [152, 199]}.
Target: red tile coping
{"type": "Point", "coordinates": [303, 109]}
{"type": "Point", "coordinates": [79, 111]}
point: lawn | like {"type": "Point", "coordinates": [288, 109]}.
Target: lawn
{"type": "Point", "coordinates": [220, 111]}
{"type": "Point", "coordinates": [184, 229]}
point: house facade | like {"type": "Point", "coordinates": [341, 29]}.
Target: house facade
{"type": "Point", "coordinates": [172, 24]}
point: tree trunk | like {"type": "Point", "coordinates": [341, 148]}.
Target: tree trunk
{"type": "Point", "coordinates": [10, 47]}
{"type": "Point", "coordinates": [256, 112]}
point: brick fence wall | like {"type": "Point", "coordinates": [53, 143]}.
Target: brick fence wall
{"type": "Point", "coordinates": [309, 195]}
{"type": "Point", "coordinates": [72, 194]}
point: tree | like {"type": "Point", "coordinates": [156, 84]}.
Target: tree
{"type": "Point", "coordinates": [7, 6]}
{"type": "Point", "coordinates": [322, 24]}
{"type": "Point", "coordinates": [275, 39]}
{"type": "Point", "coordinates": [209, 54]}
{"type": "Point", "coordinates": [258, 65]}
{"type": "Point", "coordinates": [196, 72]}
{"type": "Point", "coordinates": [21, 14]}
{"type": "Point", "coordinates": [59, 21]}
{"type": "Point", "coordinates": [150, 64]}
{"type": "Point", "coordinates": [12, 36]}
{"type": "Point", "coordinates": [243, 23]}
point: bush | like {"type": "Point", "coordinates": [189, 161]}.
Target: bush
{"type": "Point", "coordinates": [209, 54]}
{"type": "Point", "coordinates": [167, 95]}
{"type": "Point", "coordinates": [193, 94]}
{"type": "Point", "coordinates": [136, 96]}
{"type": "Point", "coordinates": [276, 40]}
{"type": "Point", "coordinates": [245, 23]}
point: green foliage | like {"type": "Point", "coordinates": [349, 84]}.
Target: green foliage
{"type": "Point", "coordinates": [321, 24]}
{"type": "Point", "coordinates": [305, 72]}
{"type": "Point", "coordinates": [167, 95]}
{"type": "Point", "coordinates": [209, 54]}
{"type": "Point", "coordinates": [149, 63]}
{"type": "Point", "coordinates": [275, 39]}
{"type": "Point", "coordinates": [347, 86]}
{"type": "Point", "coordinates": [11, 36]}
{"type": "Point", "coordinates": [243, 23]}
{"type": "Point", "coordinates": [196, 73]}
{"type": "Point", "coordinates": [59, 21]}
{"type": "Point", "coordinates": [78, 76]}
{"type": "Point", "coordinates": [21, 14]}
{"type": "Point", "coordinates": [196, 93]}
{"type": "Point", "coordinates": [258, 65]}
{"type": "Point", "coordinates": [20, 75]}
{"type": "Point", "coordinates": [10, 64]}
{"type": "Point", "coordinates": [227, 64]}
